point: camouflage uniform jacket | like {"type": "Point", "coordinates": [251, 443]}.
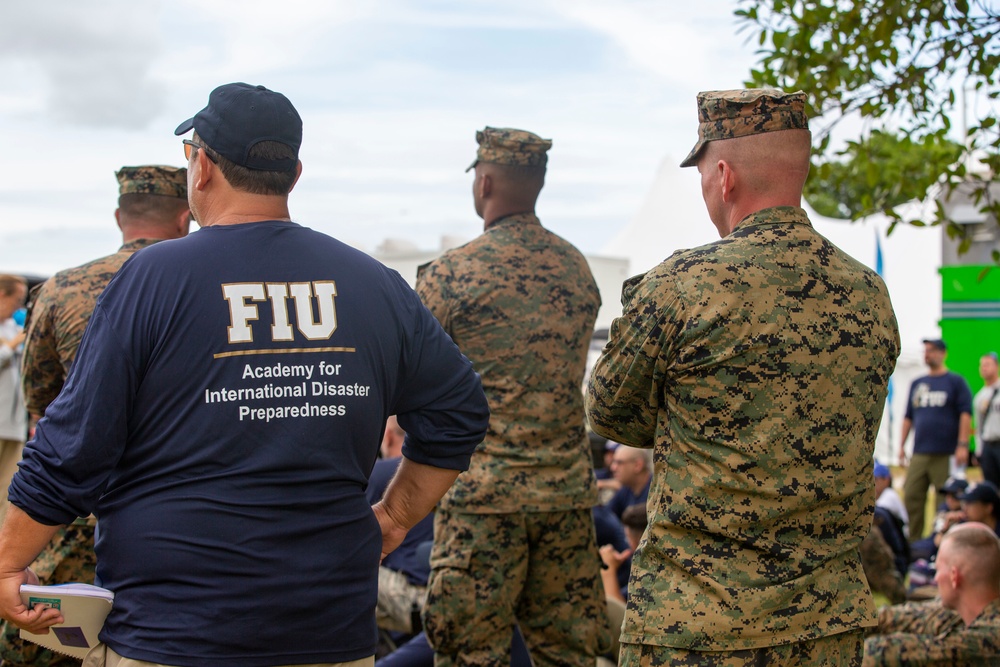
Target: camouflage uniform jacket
{"type": "Point", "coordinates": [520, 303]}
{"type": "Point", "coordinates": [756, 367]}
{"type": "Point", "coordinates": [59, 315]}
{"type": "Point", "coordinates": [928, 634]}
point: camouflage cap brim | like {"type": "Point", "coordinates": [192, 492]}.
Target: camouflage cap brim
{"type": "Point", "coordinates": [728, 114]}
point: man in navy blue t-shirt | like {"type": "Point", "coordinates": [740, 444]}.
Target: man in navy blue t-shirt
{"type": "Point", "coordinates": [222, 417]}
{"type": "Point", "coordinates": [939, 412]}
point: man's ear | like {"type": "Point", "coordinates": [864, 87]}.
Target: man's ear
{"type": "Point", "coordinates": [298, 173]}
{"type": "Point", "coordinates": [118, 217]}
{"type": "Point", "coordinates": [204, 170]}
{"type": "Point", "coordinates": [727, 180]}
{"type": "Point", "coordinates": [485, 185]}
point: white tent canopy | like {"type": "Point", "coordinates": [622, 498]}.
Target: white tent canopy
{"type": "Point", "coordinates": [673, 217]}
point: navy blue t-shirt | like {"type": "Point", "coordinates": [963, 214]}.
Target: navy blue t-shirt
{"type": "Point", "coordinates": [626, 497]}
{"type": "Point", "coordinates": [935, 406]}
{"type": "Point", "coordinates": [221, 419]}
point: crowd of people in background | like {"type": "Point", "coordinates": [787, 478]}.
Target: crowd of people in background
{"type": "Point", "coordinates": [940, 563]}
{"type": "Point", "coordinates": [448, 495]}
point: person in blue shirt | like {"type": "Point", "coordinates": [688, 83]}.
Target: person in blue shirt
{"type": "Point", "coordinates": [222, 417]}
{"type": "Point", "coordinates": [632, 467]}
{"type": "Point", "coordinates": [939, 413]}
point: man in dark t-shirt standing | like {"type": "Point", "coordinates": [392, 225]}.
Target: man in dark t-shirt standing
{"type": "Point", "coordinates": [939, 412]}
{"type": "Point", "coordinates": [222, 417]}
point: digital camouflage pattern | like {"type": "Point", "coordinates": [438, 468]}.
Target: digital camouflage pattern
{"type": "Point", "coordinates": [60, 310]}
{"type": "Point", "coordinates": [536, 569]}
{"type": "Point", "coordinates": [511, 147]}
{"type": "Point", "coordinates": [756, 368]}
{"type": "Point", "coordinates": [928, 634]}
{"type": "Point", "coordinates": [68, 558]}
{"type": "Point", "coordinates": [153, 180]}
{"type": "Point", "coordinates": [842, 650]}
{"type": "Point", "coordinates": [520, 303]}
{"type": "Point", "coordinates": [727, 114]}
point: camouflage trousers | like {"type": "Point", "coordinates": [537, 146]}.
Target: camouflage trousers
{"type": "Point", "coordinates": [539, 570]}
{"type": "Point", "coordinates": [102, 656]}
{"type": "Point", "coordinates": [398, 599]}
{"type": "Point", "coordinates": [69, 557]}
{"type": "Point", "coordinates": [841, 650]}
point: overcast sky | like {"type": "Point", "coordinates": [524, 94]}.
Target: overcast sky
{"type": "Point", "coordinates": [391, 93]}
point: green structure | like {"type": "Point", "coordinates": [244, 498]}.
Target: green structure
{"type": "Point", "coordinates": [970, 317]}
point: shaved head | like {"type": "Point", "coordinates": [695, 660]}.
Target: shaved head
{"type": "Point", "coordinates": [975, 549]}
{"type": "Point", "coordinates": [767, 162]}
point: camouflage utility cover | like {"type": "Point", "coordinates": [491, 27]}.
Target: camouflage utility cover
{"type": "Point", "coordinates": [520, 303]}
{"type": "Point", "coordinates": [511, 147]}
{"type": "Point", "coordinates": [153, 180]}
{"type": "Point", "coordinates": [59, 314]}
{"type": "Point", "coordinates": [756, 367]}
{"type": "Point", "coordinates": [929, 634]}
{"type": "Point", "coordinates": [727, 114]}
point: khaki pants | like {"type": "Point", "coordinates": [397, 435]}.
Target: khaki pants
{"type": "Point", "coordinates": [926, 470]}
{"type": "Point", "coordinates": [102, 656]}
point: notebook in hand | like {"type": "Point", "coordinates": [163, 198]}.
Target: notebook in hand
{"type": "Point", "coordinates": [84, 608]}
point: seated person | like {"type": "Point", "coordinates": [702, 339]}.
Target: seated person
{"type": "Point", "coordinates": [949, 513]}
{"type": "Point", "coordinates": [607, 485]}
{"type": "Point", "coordinates": [632, 467]}
{"type": "Point", "coordinates": [893, 533]}
{"type": "Point", "coordinates": [878, 562]}
{"type": "Point", "coordinates": [981, 504]}
{"type": "Point", "coordinates": [960, 628]}
{"type": "Point", "coordinates": [617, 562]}
{"type": "Point", "coordinates": [887, 497]}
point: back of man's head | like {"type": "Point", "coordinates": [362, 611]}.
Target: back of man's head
{"type": "Point", "coordinates": [392, 439]}
{"type": "Point", "coordinates": [975, 550]}
{"type": "Point", "coordinates": [639, 454]}
{"type": "Point", "coordinates": [9, 284]}
{"type": "Point", "coordinates": [253, 134]}
{"type": "Point", "coordinates": [152, 201]}
{"type": "Point", "coordinates": [515, 160]}
{"type": "Point", "coordinates": [519, 185]}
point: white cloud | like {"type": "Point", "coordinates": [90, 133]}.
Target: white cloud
{"type": "Point", "coordinates": [92, 60]}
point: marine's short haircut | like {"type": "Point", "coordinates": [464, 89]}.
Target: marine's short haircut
{"type": "Point", "coordinates": [150, 208]}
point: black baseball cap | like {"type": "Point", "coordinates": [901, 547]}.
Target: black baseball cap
{"type": "Point", "coordinates": [954, 486]}
{"type": "Point", "coordinates": [933, 342]}
{"type": "Point", "coordinates": [984, 492]}
{"type": "Point", "coordinates": [239, 116]}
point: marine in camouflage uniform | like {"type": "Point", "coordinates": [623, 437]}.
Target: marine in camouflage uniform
{"type": "Point", "coordinates": [926, 633]}
{"type": "Point", "coordinates": [756, 368]}
{"type": "Point", "coordinates": [962, 628]}
{"type": "Point", "coordinates": [152, 207]}
{"type": "Point", "coordinates": [514, 537]}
